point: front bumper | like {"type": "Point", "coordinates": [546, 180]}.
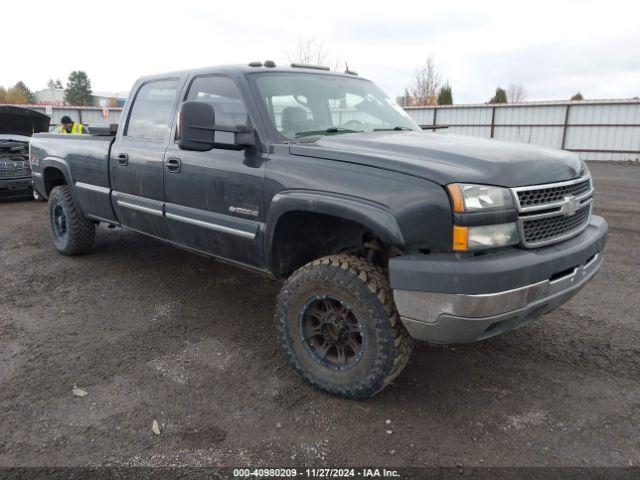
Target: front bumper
{"type": "Point", "coordinates": [444, 298]}
{"type": "Point", "coordinates": [16, 187]}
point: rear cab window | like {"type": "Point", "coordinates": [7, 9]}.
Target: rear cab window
{"type": "Point", "coordinates": [152, 110]}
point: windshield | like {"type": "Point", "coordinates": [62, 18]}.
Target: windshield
{"type": "Point", "coordinates": [305, 106]}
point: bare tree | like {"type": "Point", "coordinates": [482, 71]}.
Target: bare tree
{"type": "Point", "coordinates": [405, 100]}
{"type": "Point", "coordinates": [516, 93]}
{"type": "Point", "coordinates": [426, 84]}
{"type": "Point", "coordinates": [311, 51]}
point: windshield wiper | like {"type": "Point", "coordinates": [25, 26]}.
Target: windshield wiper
{"type": "Point", "coordinates": [391, 129]}
{"type": "Point", "coordinates": [325, 131]}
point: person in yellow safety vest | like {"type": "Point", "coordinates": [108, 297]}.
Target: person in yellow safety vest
{"type": "Point", "coordinates": [69, 126]}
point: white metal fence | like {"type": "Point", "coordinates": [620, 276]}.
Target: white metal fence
{"type": "Point", "coordinates": [595, 129]}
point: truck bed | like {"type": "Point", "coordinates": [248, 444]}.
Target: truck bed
{"type": "Point", "coordinates": [85, 161]}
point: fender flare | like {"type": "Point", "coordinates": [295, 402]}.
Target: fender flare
{"type": "Point", "coordinates": [376, 217]}
{"type": "Point", "coordinates": [58, 164]}
{"type": "Point", "coordinates": [63, 166]}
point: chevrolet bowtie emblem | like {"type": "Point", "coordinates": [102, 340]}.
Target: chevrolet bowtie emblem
{"type": "Point", "coordinates": [569, 206]}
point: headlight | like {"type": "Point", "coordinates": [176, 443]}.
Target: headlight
{"type": "Point", "coordinates": [473, 198]}
{"type": "Point", "coordinates": [493, 203]}
{"type": "Point", "coordinates": [488, 236]}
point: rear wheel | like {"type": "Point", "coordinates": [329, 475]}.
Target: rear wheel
{"type": "Point", "coordinates": [72, 232]}
{"type": "Point", "coordinates": [339, 328]}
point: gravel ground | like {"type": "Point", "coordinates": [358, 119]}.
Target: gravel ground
{"type": "Point", "coordinates": [154, 333]}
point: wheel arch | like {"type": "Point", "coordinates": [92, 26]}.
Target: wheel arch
{"type": "Point", "coordinates": [347, 220]}
{"type": "Point", "coordinates": [55, 172]}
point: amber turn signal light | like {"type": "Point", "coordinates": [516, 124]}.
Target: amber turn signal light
{"type": "Point", "coordinates": [460, 239]}
{"type": "Point", "coordinates": [457, 200]}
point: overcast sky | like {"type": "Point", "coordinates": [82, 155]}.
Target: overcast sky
{"type": "Point", "coordinates": [552, 48]}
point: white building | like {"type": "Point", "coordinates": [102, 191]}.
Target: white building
{"type": "Point", "coordinates": [49, 96]}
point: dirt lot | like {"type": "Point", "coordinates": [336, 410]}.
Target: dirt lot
{"type": "Point", "coordinates": [151, 332]}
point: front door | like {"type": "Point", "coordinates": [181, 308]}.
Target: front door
{"type": "Point", "coordinates": [213, 200]}
{"type": "Point", "coordinates": [137, 158]}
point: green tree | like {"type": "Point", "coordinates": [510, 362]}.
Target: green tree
{"type": "Point", "coordinates": [78, 91]}
{"type": "Point", "coordinates": [577, 96]}
{"type": "Point", "coordinates": [3, 94]}
{"type": "Point", "coordinates": [445, 97]}
{"type": "Point", "coordinates": [20, 88]}
{"type": "Point", "coordinates": [500, 96]}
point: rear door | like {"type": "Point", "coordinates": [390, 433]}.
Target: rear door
{"type": "Point", "coordinates": [214, 199]}
{"type": "Point", "coordinates": [137, 157]}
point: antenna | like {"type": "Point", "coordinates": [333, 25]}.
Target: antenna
{"type": "Point", "coordinates": [349, 72]}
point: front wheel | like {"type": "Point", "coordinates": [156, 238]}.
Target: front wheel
{"type": "Point", "coordinates": [72, 232]}
{"type": "Point", "coordinates": [339, 328]}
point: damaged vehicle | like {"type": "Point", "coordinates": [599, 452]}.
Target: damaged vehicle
{"type": "Point", "coordinates": [17, 124]}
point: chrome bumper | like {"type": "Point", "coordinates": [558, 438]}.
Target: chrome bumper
{"type": "Point", "coordinates": [460, 318]}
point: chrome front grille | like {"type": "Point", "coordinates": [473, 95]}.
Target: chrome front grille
{"type": "Point", "coordinates": [545, 196]}
{"type": "Point", "coordinates": [543, 229]}
{"type": "Point", "coordinates": [553, 212]}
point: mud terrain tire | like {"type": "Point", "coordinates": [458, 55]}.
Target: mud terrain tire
{"type": "Point", "coordinates": [71, 231]}
{"type": "Point", "coordinates": [350, 284]}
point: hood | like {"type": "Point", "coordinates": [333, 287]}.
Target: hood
{"type": "Point", "coordinates": [447, 158]}
{"type": "Point", "coordinates": [22, 121]}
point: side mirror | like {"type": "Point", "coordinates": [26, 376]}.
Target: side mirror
{"type": "Point", "coordinates": [198, 130]}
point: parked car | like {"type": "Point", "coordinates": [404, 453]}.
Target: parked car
{"type": "Point", "coordinates": [17, 124]}
{"type": "Point", "coordinates": [384, 233]}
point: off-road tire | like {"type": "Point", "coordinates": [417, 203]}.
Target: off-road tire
{"type": "Point", "coordinates": [387, 344]}
{"type": "Point", "coordinates": [80, 232]}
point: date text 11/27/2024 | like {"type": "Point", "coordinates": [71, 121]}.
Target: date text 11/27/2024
{"type": "Point", "coordinates": [315, 473]}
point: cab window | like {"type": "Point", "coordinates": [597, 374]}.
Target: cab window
{"type": "Point", "coordinates": [222, 93]}
{"type": "Point", "coordinates": [152, 109]}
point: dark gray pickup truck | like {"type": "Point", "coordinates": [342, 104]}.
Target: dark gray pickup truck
{"type": "Point", "coordinates": [384, 233]}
